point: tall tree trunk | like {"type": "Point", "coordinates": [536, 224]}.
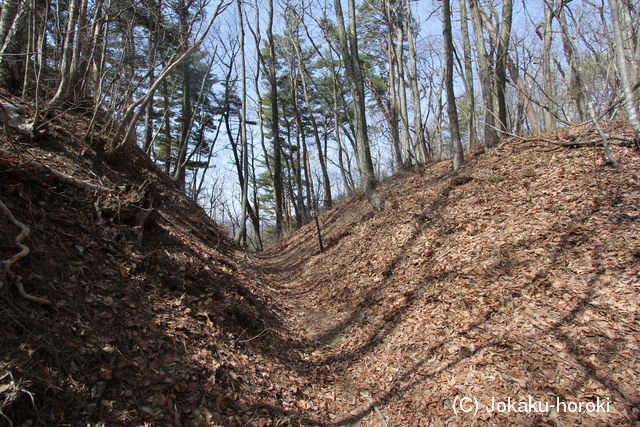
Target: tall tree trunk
{"type": "Point", "coordinates": [67, 53]}
{"type": "Point", "coordinates": [393, 97]}
{"type": "Point", "coordinates": [12, 43]}
{"type": "Point", "coordinates": [336, 120]}
{"type": "Point", "coordinates": [326, 183]}
{"type": "Point", "coordinates": [512, 69]}
{"type": "Point", "coordinates": [298, 156]}
{"type": "Point", "coordinates": [256, 81]}
{"type": "Point", "coordinates": [501, 64]}
{"type": "Point", "coordinates": [484, 69]}
{"type": "Point", "coordinates": [7, 18]}
{"type": "Point", "coordinates": [185, 120]}
{"type": "Point", "coordinates": [277, 161]}
{"type": "Point", "coordinates": [241, 236]}
{"type": "Point", "coordinates": [78, 59]}
{"type": "Point", "coordinates": [623, 52]}
{"type": "Point", "coordinates": [576, 88]}
{"type": "Point", "coordinates": [468, 76]}
{"type": "Point", "coordinates": [349, 48]}
{"type": "Point", "coordinates": [549, 86]}
{"type": "Point", "coordinates": [402, 89]}
{"type": "Point", "coordinates": [166, 148]}
{"type": "Point", "coordinates": [151, 62]}
{"type": "Point", "coordinates": [255, 219]}
{"type": "Point", "coordinates": [307, 178]}
{"type": "Point", "coordinates": [422, 151]}
{"type": "Point", "coordinates": [452, 111]}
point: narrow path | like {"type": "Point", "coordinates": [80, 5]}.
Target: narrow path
{"type": "Point", "coordinates": [335, 396]}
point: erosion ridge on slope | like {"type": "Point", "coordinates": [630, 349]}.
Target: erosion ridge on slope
{"type": "Point", "coordinates": [517, 276]}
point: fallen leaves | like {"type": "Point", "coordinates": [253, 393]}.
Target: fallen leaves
{"type": "Point", "coordinates": [523, 279]}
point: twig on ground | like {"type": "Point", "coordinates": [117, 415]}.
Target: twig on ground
{"type": "Point", "coordinates": [377, 410]}
{"type": "Point", "coordinates": [251, 339]}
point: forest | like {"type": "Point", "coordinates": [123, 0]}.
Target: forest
{"type": "Point", "coordinates": [267, 113]}
{"type": "Point", "coordinates": [313, 212]}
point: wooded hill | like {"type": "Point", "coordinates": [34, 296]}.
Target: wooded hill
{"type": "Point", "coordinates": [266, 112]}
{"type": "Point", "coordinates": [167, 170]}
{"type": "Point", "coordinates": [518, 275]}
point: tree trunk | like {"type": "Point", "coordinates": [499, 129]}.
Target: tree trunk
{"type": "Point", "coordinates": [326, 183]}
{"type": "Point", "coordinates": [484, 69]}
{"type": "Point", "coordinates": [576, 87]}
{"type": "Point", "coordinates": [393, 97]}
{"type": "Point", "coordinates": [349, 48]}
{"type": "Point", "coordinates": [468, 76]}
{"type": "Point", "coordinates": [277, 166]}
{"type": "Point", "coordinates": [624, 59]}
{"type": "Point", "coordinates": [501, 64]}
{"type": "Point", "coordinates": [67, 53]}
{"type": "Point", "coordinates": [513, 70]}
{"type": "Point", "coordinates": [404, 114]}
{"type": "Point", "coordinates": [549, 86]}
{"type": "Point", "coordinates": [151, 62]}
{"type": "Point", "coordinates": [12, 43]}
{"type": "Point", "coordinates": [166, 148]}
{"type": "Point", "coordinates": [336, 120]}
{"type": "Point", "coordinates": [241, 236]}
{"type": "Point", "coordinates": [452, 111]}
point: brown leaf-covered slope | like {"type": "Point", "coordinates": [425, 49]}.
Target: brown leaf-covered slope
{"type": "Point", "coordinates": [517, 276]}
{"type": "Point", "coordinates": [147, 315]}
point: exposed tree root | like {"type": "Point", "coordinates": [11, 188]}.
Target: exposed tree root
{"type": "Point", "coordinates": [67, 179]}
{"type": "Point", "coordinates": [24, 251]}
{"type": "Point", "coordinates": [143, 218]}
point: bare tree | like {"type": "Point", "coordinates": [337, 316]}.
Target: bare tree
{"type": "Point", "coordinates": [452, 111]}
{"type": "Point", "coordinates": [549, 86]}
{"type": "Point", "coordinates": [575, 75]}
{"type": "Point", "coordinates": [511, 68]}
{"type": "Point", "coordinates": [241, 236]}
{"type": "Point", "coordinates": [501, 63]}
{"type": "Point", "coordinates": [468, 75]}
{"type": "Point", "coordinates": [484, 69]}
{"type": "Point", "coordinates": [625, 61]}
{"type": "Point", "coordinates": [275, 130]}
{"type": "Point", "coordinates": [67, 52]}
{"type": "Point", "coordinates": [412, 76]}
{"type": "Point", "coordinates": [349, 49]}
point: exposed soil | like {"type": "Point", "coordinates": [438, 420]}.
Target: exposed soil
{"type": "Point", "coordinates": [516, 277]}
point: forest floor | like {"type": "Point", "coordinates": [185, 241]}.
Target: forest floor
{"type": "Point", "coordinates": [516, 277]}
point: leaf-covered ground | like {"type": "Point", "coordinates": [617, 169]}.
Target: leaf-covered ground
{"type": "Point", "coordinates": [516, 277]}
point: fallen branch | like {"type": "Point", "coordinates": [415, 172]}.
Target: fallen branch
{"type": "Point", "coordinates": [377, 410]}
{"type": "Point", "coordinates": [67, 179]}
{"type": "Point", "coordinates": [24, 251]}
{"type": "Point", "coordinates": [589, 143]}
{"type": "Point", "coordinates": [251, 339]}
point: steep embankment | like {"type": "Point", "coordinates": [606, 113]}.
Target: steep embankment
{"type": "Point", "coordinates": [149, 297]}
{"type": "Point", "coordinates": [517, 276]}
